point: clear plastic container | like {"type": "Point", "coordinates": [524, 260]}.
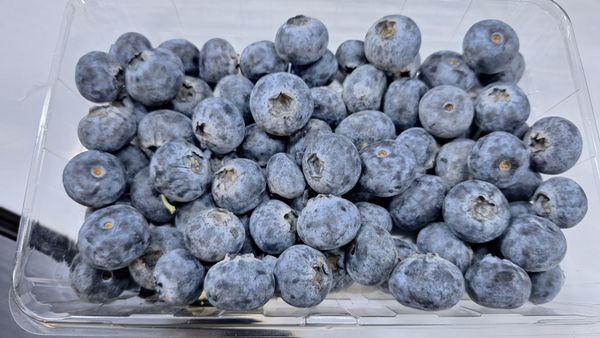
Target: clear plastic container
{"type": "Point", "coordinates": [42, 301]}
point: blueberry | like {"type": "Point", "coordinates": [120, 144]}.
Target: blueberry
{"type": "Point", "coordinates": [499, 158]}
{"type": "Point", "coordinates": [374, 215]}
{"type": "Point", "coordinates": [273, 226]}
{"type": "Point", "coordinates": [336, 259]}
{"type": "Point", "coordinates": [451, 162]}
{"type": "Point", "coordinates": [512, 74]}
{"type": "Point", "coordinates": [139, 111]}
{"type": "Point", "coordinates": [520, 208]}
{"type": "Point", "coordinates": [217, 60]}
{"type": "Point", "coordinates": [482, 250]}
{"type": "Point", "coordinates": [218, 125]}
{"type": "Point", "coordinates": [524, 187]}
{"type": "Point", "coordinates": [241, 283]}
{"type": "Point", "coordinates": [392, 42]}
{"type": "Point", "coordinates": [191, 92]}
{"type": "Point", "coordinates": [320, 72]}
{"type": "Point", "coordinates": [301, 40]}
{"type": "Point", "coordinates": [188, 210]}
{"type": "Point", "coordinates": [284, 177]}
{"type": "Point", "coordinates": [328, 222]}
{"type": "Point", "coordinates": [329, 105]}
{"type": "Point", "coordinates": [497, 283]}
{"type": "Point", "coordinates": [446, 111]}
{"type": "Point", "coordinates": [300, 139]}
{"type": "Point", "coordinates": [366, 127]}
{"type": "Point", "coordinates": [259, 59]}
{"type": "Point", "coordinates": [128, 45]}
{"type": "Point", "coordinates": [162, 126]}
{"type": "Point", "coordinates": [408, 71]}
{"type": "Point", "coordinates": [303, 276]}
{"type": "Point", "coordinates": [94, 178]}
{"type": "Point", "coordinates": [489, 46]}
{"type": "Point", "coordinates": [133, 160]}
{"type": "Point", "coordinates": [427, 282]}
{"type": "Point", "coordinates": [501, 106]}
{"type": "Point", "coordinates": [107, 128]}
{"type": "Point", "coordinates": [180, 171]}
{"type": "Point", "coordinates": [419, 204]}
{"type": "Point", "coordinates": [217, 161]}
{"type": "Point", "coordinates": [249, 246]}
{"type": "Point", "coordinates": [187, 52]}
{"type": "Point", "coordinates": [238, 186]}
{"type": "Point", "coordinates": [162, 240]}
{"type": "Point", "coordinates": [300, 202]}
{"type": "Point", "coordinates": [388, 168]}
{"type": "Point", "coordinates": [112, 237]}
{"type": "Point", "coordinates": [371, 257]}
{"type": "Point", "coordinates": [236, 89]}
{"type": "Point", "coordinates": [281, 103]}
{"type": "Point", "coordinates": [331, 164]}
{"type": "Point", "coordinates": [270, 262]}
{"type": "Point", "coordinates": [99, 77]}
{"type": "Point", "coordinates": [554, 145]}
{"type": "Point", "coordinates": [350, 54]}
{"type": "Point", "coordinates": [437, 238]}
{"type": "Point", "coordinates": [404, 248]}
{"type": "Point", "coordinates": [476, 211]}
{"type": "Point", "coordinates": [260, 146]}
{"type": "Point", "coordinates": [520, 130]}
{"type": "Point", "coordinates": [363, 89]}
{"type": "Point", "coordinates": [447, 68]}
{"type": "Point", "coordinates": [154, 77]}
{"type": "Point", "coordinates": [561, 200]}
{"type": "Point", "coordinates": [546, 285]}
{"type": "Point", "coordinates": [148, 200]}
{"type": "Point", "coordinates": [96, 285]}
{"type": "Point", "coordinates": [423, 146]}
{"type": "Point", "coordinates": [178, 277]}
{"type": "Point", "coordinates": [401, 102]}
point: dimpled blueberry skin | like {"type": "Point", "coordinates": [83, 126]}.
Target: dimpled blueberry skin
{"type": "Point", "coordinates": [512, 74]}
{"type": "Point", "coordinates": [546, 285]}
{"type": "Point", "coordinates": [371, 256]}
{"type": "Point", "coordinates": [147, 199]}
{"type": "Point", "coordinates": [107, 128]}
{"type": "Point", "coordinates": [128, 45]}
{"type": "Point", "coordinates": [452, 163]}
{"type": "Point", "coordinates": [236, 89]}
{"type": "Point", "coordinates": [188, 210]}
{"type": "Point", "coordinates": [419, 204]}
{"type": "Point", "coordinates": [162, 126]}
{"type": "Point", "coordinates": [446, 111]}
{"type": "Point", "coordinates": [95, 285]}
{"type": "Point", "coordinates": [241, 283]}
{"type": "Point", "coordinates": [524, 187]}
{"type": "Point", "coordinates": [392, 42]}
{"type": "Point", "coordinates": [260, 146]}
{"type": "Point", "coordinates": [273, 226]}
{"type": "Point", "coordinates": [350, 54]}
{"type": "Point", "coordinates": [133, 160]}
{"type": "Point", "coordinates": [112, 237]}
{"type": "Point", "coordinates": [560, 200]}
{"type": "Point", "coordinates": [180, 171]}
{"type": "Point", "coordinates": [320, 72]}
{"type": "Point", "coordinates": [218, 125]}
{"type": "Point", "coordinates": [401, 102]}
{"type": "Point", "coordinates": [388, 168]}
{"type": "Point", "coordinates": [366, 127]}
{"type": "Point", "coordinates": [374, 215]}
{"type": "Point", "coordinates": [300, 139]}
{"type": "Point", "coordinates": [363, 89]}
{"type": "Point", "coordinates": [476, 211]}
{"type": "Point", "coordinates": [427, 282]}
{"type": "Point", "coordinates": [554, 145]}
{"type": "Point", "coordinates": [99, 77]}
{"type": "Point", "coordinates": [191, 92]}
{"type": "Point", "coordinates": [303, 276]}
{"type": "Point", "coordinates": [259, 59]}
{"type": "Point", "coordinates": [423, 146]}
{"type": "Point", "coordinates": [217, 60]}
{"type": "Point", "coordinates": [499, 158]}
{"type": "Point", "coordinates": [497, 283]}
{"type": "Point", "coordinates": [186, 51]}
{"type": "Point", "coordinates": [329, 105]}
{"type": "Point", "coordinates": [301, 40]}
{"type": "Point", "coordinates": [94, 178]}
{"type": "Point", "coordinates": [489, 46]}
{"type": "Point", "coordinates": [284, 176]}
{"type": "Point", "coordinates": [336, 259]}
{"type": "Point", "coordinates": [331, 164]}
{"type": "Point", "coordinates": [328, 222]}
{"type": "Point", "coordinates": [178, 277]}
{"type": "Point", "coordinates": [520, 208]}
{"type": "Point", "coordinates": [447, 68]}
{"type": "Point", "coordinates": [437, 238]}
{"type": "Point", "coordinates": [154, 77]}
{"type": "Point", "coordinates": [501, 106]}
{"type": "Point", "coordinates": [238, 186]}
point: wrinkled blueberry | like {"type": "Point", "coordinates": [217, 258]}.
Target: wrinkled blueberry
{"type": "Point", "coordinates": [524, 187]}
{"type": "Point", "coordinates": [374, 215]}
{"type": "Point", "coordinates": [107, 128]}
{"type": "Point", "coordinates": [162, 126]}
{"type": "Point", "coordinates": [191, 92]}
{"type": "Point", "coordinates": [236, 89]}
{"type": "Point", "coordinates": [446, 111]}
{"type": "Point", "coordinates": [187, 52]}
{"type": "Point", "coordinates": [217, 60]}
{"type": "Point", "coordinates": [148, 200]}
{"type": "Point", "coordinates": [320, 72]}
{"type": "Point", "coordinates": [238, 186]}
{"type": "Point", "coordinates": [560, 200]}
{"type": "Point", "coordinates": [366, 127]}
{"type": "Point", "coordinates": [437, 238]}
{"type": "Point", "coordinates": [350, 54]}
{"type": "Point", "coordinates": [99, 77]}
{"type": "Point", "coordinates": [546, 285]}
{"type": "Point", "coordinates": [501, 106]}
{"type": "Point", "coordinates": [392, 42]}
{"type": "Point", "coordinates": [95, 285]}
{"type": "Point", "coordinates": [128, 45]}
{"type": "Point", "coordinates": [419, 204]}
{"type": "Point", "coordinates": [284, 176]}
{"type": "Point", "coordinates": [218, 125]}
{"type": "Point", "coordinates": [178, 277]}
{"type": "Point", "coordinates": [423, 146]}
{"type": "Point", "coordinates": [447, 68]}
{"type": "Point", "coordinates": [451, 162]}
{"type": "Point", "coordinates": [401, 102]}
{"type": "Point", "coordinates": [300, 139]}
{"type": "Point", "coordinates": [260, 146]}
{"type": "Point", "coordinates": [259, 59]}
{"type": "Point", "coordinates": [371, 257]}
{"type": "Point", "coordinates": [273, 226]}
{"type": "Point", "coordinates": [363, 89]}
{"type": "Point", "coordinates": [301, 40]}
{"type": "Point", "coordinates": [336, 259]}
{"type": "Point", "coordinates": [489, 46]}
{"type": "Point", "coordinates": [133, 160]}
{"type": "Point", "coordinates": [329, 105]}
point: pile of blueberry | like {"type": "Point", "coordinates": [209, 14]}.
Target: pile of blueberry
{"type": "Point", "coordinates": [294, 172]}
